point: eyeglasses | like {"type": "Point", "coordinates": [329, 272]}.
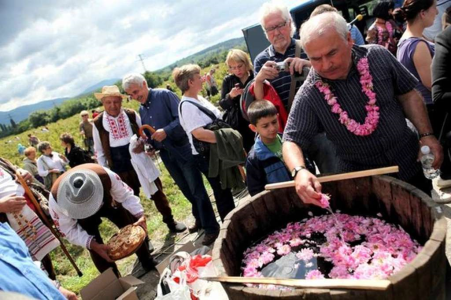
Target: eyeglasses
{"type": "Point", "coordinates": [239, 66]}
{"type": "Point", "coordinates": [280, 26]}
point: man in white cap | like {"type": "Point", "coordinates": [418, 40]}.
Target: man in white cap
{"type": "Point", "coordinates": [112, 132]}
{"type": "Point", "coordinates": [85, 194]}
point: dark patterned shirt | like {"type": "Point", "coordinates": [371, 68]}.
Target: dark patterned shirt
{"type": "Point", "coordinates": [282, 83]}
{"type": "Point", "coordinates": [392, 143]}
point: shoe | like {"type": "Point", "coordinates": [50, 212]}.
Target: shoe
{"type": "Point", "coordinates": [149, 265]}
{"type": "Point", "coordinates": [195, 228]}
{"type": "Point", "coordinates": [209, 238]}
{"type": "Point", "coordinates": [177, 227]}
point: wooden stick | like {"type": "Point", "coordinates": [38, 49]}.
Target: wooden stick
{"type": "Point", "coordinates": [146, 126]}
{"type": "Point", "coordinates": [46, 221]}
{"type": "Point", "coordinates": [336, 177]}
{"type": "Point", "coordinates": [353, 284]}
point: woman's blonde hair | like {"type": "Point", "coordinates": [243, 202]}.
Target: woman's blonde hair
{"type": "Point", "coordinates": [239, 56]}
{"type": "Point", "coordinates": [183, 74]}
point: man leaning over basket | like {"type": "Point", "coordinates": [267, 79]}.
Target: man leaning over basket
{"type": "Point", "coordinates": [84, 195]}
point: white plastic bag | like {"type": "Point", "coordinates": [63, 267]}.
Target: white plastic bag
{"type": "Point", "coordinates": [178, 291]}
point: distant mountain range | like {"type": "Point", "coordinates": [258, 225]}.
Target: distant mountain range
{"type": "Point", "coordinates": [194, 58]}
{"type": "Point", "coordinates": [21, 113]}
{"type": "Point", "coordinates": [99, 85]}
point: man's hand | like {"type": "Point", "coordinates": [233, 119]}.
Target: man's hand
{"type": "Point", "coordinates": [268, 71]}
{"type": "Point", "coordinates": [159, 135]}
{"type": "Point", "coordinates": [25, 175]}
{"type": "Point", "coordinates": [436, 149]}
{"type": "Point", "coordinates": [308, 187]}
{"type": "Point", "coordinates": [101, 250]}
{"type": "Point", "coordinates": [142, 222]}
{"type": "Point", "coordinates": [139, 148]}
{"type": "Point", "coordinates": [63, 157]}
{"type": "Point", "coordinates": [68, 294]}
{"type": "Point", "coordinates": [12, 204]}
{"type": "Point", "coordinates": [296, 64]}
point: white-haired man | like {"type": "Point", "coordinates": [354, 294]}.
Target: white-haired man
{"type": "Point", "coordinates": [159, 109]}
{"type": "Point", "coordinates": [360, 96]}
{"type": "Point", "coordinates": [278, 26]}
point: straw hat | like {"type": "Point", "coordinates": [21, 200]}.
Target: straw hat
{"type": "Point", "coordinates": [109, 90]}
{"type": "Point", "coordinates": [80, 194]}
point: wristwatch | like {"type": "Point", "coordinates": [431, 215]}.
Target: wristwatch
{"type": "Point", "coordinates": [295, 170]}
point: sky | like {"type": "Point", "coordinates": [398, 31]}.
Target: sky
{"type": "Point", "coordinates": [58, 48]}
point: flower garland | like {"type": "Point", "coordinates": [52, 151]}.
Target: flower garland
{"type": "Point", "coordinates": [372, 118]}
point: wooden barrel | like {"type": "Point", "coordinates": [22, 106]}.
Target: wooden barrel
{"type": "Point", "coordinates": [398, 202]}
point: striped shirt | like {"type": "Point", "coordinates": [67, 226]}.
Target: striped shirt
{"type": "Point", "coordinates": [392, 143]}
{"type": "Point", "coordinates": [282, 83]}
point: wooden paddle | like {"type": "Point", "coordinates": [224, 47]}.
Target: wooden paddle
{"type": "Point", "coordinates": [336, 177]}
{"type": "Point", "coordinates": [352, 284]}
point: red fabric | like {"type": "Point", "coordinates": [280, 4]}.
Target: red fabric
{"type": "Point", "coordinates": [29, 203]}
{"type": "Point", "coordinates": [271, 95]}
{"type": "Point", "coordinates": [95, 114]}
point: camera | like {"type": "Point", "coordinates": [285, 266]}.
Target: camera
{"type": "Point", "coordinates": [281, 66]}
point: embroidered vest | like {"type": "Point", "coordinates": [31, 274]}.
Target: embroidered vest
{"type": "Point", "coordinates": [99, 170]}
{"type": "Point", "coordinates": [105, 135]}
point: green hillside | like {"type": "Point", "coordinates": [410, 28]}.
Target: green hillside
{"type": "Point", "coordinates": [158, 231]}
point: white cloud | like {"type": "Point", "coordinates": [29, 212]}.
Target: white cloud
{"type": "Point", "coordinates": [53, 49]}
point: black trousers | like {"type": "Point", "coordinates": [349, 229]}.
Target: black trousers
{"type": "Point", "coordinates": [121, 218]}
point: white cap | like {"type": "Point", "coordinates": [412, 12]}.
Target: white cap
{"type": "Point", "coordinates": [425, 150]}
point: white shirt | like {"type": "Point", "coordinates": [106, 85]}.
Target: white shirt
{"type": "Point", "coordinates": [8, 186]}
{"type": "Point", "coordinates": [120, 133]}
{"type": "Point", "coordinates": [47, 163]}
{"type": "Point", "coordinates": [192, 118]}
{"type": "Point", "coordinates": [120, 192]}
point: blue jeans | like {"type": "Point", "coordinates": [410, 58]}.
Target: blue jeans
{"type": "Point", "coordinates": [189, 180]}
{"type": "Point", "coordinates": [224, 198]}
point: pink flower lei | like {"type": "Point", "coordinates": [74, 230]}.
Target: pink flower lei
{"type": "Point", "coordinates": [372, 118]}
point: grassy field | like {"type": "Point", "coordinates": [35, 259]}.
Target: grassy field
{"type": "Point", "coordinates": [157, 229]}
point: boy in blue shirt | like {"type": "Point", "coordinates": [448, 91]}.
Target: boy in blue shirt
{"type": "Point", "coordinates": [265, 162]}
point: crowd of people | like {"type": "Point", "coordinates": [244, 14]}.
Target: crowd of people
{"type": "Point", "coordinates": [357, 107]}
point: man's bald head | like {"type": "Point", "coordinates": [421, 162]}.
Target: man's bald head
{"type": "Point", "coordinates": [317, 25]}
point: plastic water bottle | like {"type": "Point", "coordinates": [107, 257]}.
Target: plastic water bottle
{"type": "Point", "coordinates": [426, 161]}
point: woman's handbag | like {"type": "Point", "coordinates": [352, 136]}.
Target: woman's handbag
{"type": "Point", "coordinates": [203, 148]}
{"type": "Point", "coordinates": [231, 116]}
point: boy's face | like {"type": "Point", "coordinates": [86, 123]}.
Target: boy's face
{"type": "Point", "coordinates": [267, 127]}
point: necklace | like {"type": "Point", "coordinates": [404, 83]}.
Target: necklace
{"type": "Point", "coordinates": [372, 117]}
{"type": "Point", "coordinates": [19, 219]}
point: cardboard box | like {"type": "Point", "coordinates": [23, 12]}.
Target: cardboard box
{"type": "Point", "coordinates": [107, 286]}
{"type": "Point", "coordinates": [188, 247]}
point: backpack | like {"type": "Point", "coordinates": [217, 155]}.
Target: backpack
{"type": "Point", "coordinates": [248, 96]}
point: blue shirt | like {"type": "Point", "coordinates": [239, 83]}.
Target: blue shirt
{"type": "Point", "coordinates": [281, 83]}
{"type": "Point", "coordinates": [356, 36]}
{"type": "Point", "coordinates": [161, 111]}
{"type": "Point", "coordinates": [18, 272]}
